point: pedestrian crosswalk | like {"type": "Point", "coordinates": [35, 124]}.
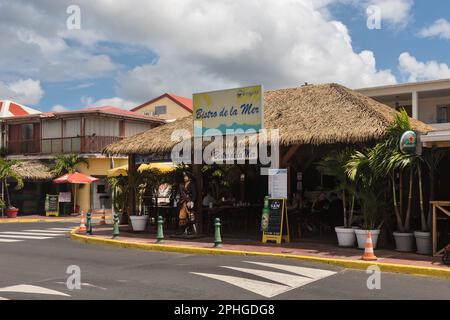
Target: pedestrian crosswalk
{"type": "Point", "coordinates": [291, 277]}
{"type": "Point", "coordinates": [32, 234]}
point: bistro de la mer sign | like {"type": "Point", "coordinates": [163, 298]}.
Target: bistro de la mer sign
{"type": "Point", "coordinates": [232, 109]}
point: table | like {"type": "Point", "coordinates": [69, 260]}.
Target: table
{"type": "Point", "coordinates": [438, 206]}
{"type": "Point", "coordinates": [234, 219]}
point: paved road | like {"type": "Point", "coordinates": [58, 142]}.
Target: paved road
{"type": "Point", "coordinates": [34, 259]}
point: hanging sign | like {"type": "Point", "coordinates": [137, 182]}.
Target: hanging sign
{"type": "Point", "coordinates": [277, 228]}
{"type": "Point", "coordinates": [278, 183]}
{"type": "Point", "coordinates": [233, 109]}
{"type": "Point", "coordinates": [408, 142]}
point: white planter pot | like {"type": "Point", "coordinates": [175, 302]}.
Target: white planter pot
{"type": "Point", "coordinates": [346, 236]}
{"type": "Point", "coordinates": [423, 242]}
{"type": "Point", "coordinates": [139, 223]}
{"type": "Point", "coordinates": [404, 242]}
{"type": "Point", "coordinates": [361, 236]}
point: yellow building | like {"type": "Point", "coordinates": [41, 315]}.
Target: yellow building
{"type": "Point", "coordinates": [168, 107]}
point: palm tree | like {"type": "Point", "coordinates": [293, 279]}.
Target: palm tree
{"type": "Point", "coordinates": [334, 165]}
{"type": "Point", "coordinates": [7, 172]}
{"type": "Point", "coordinates": [67, 164]}
{"type": "Point", "coordinates": [389, 160]}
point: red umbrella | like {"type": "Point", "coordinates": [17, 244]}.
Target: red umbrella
{"type": "Point", "coordinates": [75, 178]}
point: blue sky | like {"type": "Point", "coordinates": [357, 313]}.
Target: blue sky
{"type": "Point", "coordinates": [125, 54]}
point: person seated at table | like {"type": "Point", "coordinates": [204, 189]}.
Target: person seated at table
{"type": "Point", "coordinates": [208, 199]}
{"type": "Point", "coordinates": [294, 207]}
{"type": "Point", "coordinates": [320, 205]}
{"type": "Point", "coordinates": [335, 211]}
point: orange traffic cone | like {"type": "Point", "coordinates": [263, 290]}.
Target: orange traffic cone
{"type": "Point", "coordinates": [368, 251]}
{"type": "Point", "coordinates": [82, 227]}
{"type": "Point", "coordinates": [103, 220]}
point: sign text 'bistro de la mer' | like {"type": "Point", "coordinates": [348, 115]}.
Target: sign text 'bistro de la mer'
{"type": "Point", "coordinates": [232, 109]}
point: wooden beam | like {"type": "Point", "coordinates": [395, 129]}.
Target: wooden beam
{"type": "Point", "coordinates": [131, 185]}
{"type": "Point", "coordinates": [197, 173]}
{"type": "Point", "coordinates": [289, 154]}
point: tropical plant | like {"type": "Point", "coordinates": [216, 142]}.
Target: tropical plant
{"type": "Point", "coordinates": [334, 165]}
{"type": "Point", "coordinates": [7, 172]}
{"type": "Point", "coordinates": [388, 160]}
{"type": "Point", "coordinates": [67, 163]}
{"type": "Point", "coordinates": [370, 187]}
{"type": "Point", "coordinates": [119, 187]}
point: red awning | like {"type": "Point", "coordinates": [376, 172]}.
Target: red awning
{"type": "Point", "coordinates": [76, 178]}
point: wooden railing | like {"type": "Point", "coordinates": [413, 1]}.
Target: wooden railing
{"type": "Point", "coordinates": [87, 144]}
{"type": "Point", "coordinates": [439, 207]}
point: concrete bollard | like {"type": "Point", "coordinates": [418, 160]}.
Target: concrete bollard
{"type": "Point", "coordinates": [160, 230]}
{"type": "Point", "coordinates": [217, 236]}
{"type": "Point", "coordinates": [89, 223]}
{"type": "Point", "coordinates": [116, 232]}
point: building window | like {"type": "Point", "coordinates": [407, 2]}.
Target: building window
{"type": "Point", "coordinates": [160, 110]}
{"type": "Point", "coordinates": [27, 131]}
{"type": "Point", "coordinates": [442, 114]}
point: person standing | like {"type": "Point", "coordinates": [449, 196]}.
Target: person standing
{"type": "Point", "coordinates": [188, 197]}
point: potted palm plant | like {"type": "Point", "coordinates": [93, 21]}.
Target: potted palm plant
{"type": "Point", "coordinates": [370, 190]}
{"type": "Point", "coordinates": [334, 165]}
{"type": "Point", "coordinates": [394, 164]}
{"type": "Point", "coordinates": [7, 172]}
{"type": "Point", "coordinates": [147, 181]}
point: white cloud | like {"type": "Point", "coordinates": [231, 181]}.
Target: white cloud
{"type": "Point", "coordinates": [415, 70]}
{"type": "Point", "coordinates": [108, 102]}
{"type": "Point", "coordinates": [396, 13]}
{"type": "Point", "coordinates": [440, 28]}
{"type": "Point", "coordinates": [22, 91]}
{"type": "Point", "coordinates": [35, 43]}
{"type": "Point", "coordinates": [201, 48]}
{"type": "Point", "coordinates": [59, 108]}
{"type": "Point", "coordinates": [201, 44]}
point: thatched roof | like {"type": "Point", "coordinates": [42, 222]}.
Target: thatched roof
{"type": "Point", "coordinates": [33, 170]}
{"type": "Point", "coordinates": [313, 114]}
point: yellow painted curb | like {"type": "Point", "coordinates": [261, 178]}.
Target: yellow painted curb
{"type": "Point", "coordinates": [353, 264]}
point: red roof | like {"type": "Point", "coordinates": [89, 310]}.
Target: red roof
{"type": "Point", "coordinates": [184, 102]}
{"type": "Point", "coordinates": [104, 110]}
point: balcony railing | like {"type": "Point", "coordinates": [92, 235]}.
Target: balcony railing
{"type": "Point", "coordinates": [93, 144]}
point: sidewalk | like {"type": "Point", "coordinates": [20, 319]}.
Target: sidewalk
{"type": "Point", "coordinates": [389, 260]}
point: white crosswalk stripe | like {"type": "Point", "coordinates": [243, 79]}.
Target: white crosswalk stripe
{"type": "Point", "coordinates": [9, 240]}
{"type": "Point", "coordinates": [23, 237]}
{"type": "Point", "coordinates": [47, 231]}
{"type": "Point", "coordinates": [295, 277]}
{"type": "Point", "coordinates": [32, 234]}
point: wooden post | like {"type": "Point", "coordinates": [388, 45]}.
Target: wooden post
{"type": "Point", "coordinates": [131, 185]}
{"type": "Point", "coordinates": [196, 171]}
{"type": "Point", "coordinates": [433, 234]}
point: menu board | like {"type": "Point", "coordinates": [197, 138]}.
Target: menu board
{"type": "Point", "coordinates": [275, 215]}
{"type": "Point", "coordinates": [52, 203]}
{"type": "Point", "coordinates": [65, 197]}
{"type": "Point", "coordinates": [278, 182]}
{"type": "Point", "coordinates": [278, 226]}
